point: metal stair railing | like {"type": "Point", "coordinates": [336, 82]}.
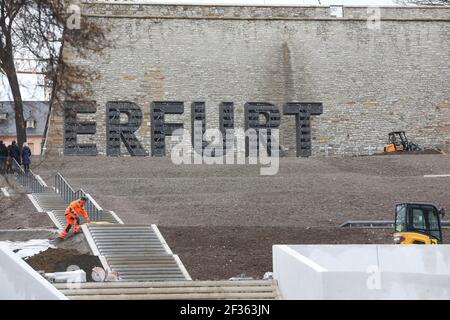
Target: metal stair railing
{"type": "Point", "coordinates": [65, 190]}
{"type": "Point", "coordinates": [379, 224]}
{"type": "Point", "coordinates": [28, 179]}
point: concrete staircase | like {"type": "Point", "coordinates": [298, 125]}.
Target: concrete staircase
{"type": "Point", "coordinates": [169, 290]}
{"type": "Point", "coordinates": [135, 252]}
{"type": "Point", "coordinates": [55, 206]}
{"type": "Point", "coordinates": [146, 266]}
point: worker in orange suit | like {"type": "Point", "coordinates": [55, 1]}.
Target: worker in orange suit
{"type": "Point", "coordinates": [74, 209]}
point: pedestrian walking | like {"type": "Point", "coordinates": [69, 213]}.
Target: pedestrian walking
{"type": "Point", "coordinates": [3, 156]}
{"type": "Point", "coordinates": [26, 157]}
{"type": "Point", "coordinates": [14, 152]}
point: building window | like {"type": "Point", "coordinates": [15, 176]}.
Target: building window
{"type": "Point", "coordinates": [31, 124]}
{"type": "Point", "coordinates": [3, 116]}
{"type": "Point", "coordinates": [337, 11]}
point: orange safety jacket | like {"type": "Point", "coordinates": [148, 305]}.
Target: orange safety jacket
{"type": "Point", "coordinates": [75, 208]}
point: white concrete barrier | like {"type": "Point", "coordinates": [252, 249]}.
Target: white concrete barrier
{"type": "Point", "coordinates": [18, 281]}
{"type": "Point", "coordinates": [362, 271]}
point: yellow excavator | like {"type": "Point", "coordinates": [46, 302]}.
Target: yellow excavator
{"type": "Point", "coordinates": [418, 223]}
{"type": "Point", "coordinates": [399, 142]}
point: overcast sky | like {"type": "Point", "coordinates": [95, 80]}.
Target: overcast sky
{"type": "Point", "coordinates": [30, 91]}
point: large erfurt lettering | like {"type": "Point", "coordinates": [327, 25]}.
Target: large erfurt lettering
{"type": "Point", "coordinates": [73, 128]}
{"type": "Point", "coordinates": [161, 129]}
{"type": "Point", "coordinates": [271, 116]}
{"type": "Point", "coordinates": [198, 126]}
{"type": "Point", "coordinates": [117, 131]}
{"type": "Point", "coordinates": [303, 112]}
{"type": "Point", "coordinates": [124, 118]}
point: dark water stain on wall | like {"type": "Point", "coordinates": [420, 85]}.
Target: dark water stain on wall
{"type": "Point", "coordinates": [287, 72]}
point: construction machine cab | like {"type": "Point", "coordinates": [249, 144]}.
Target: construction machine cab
{"type": "Point", "coordinates": [399, 142]}
{"type": "Point", "coordinates": [417, 223]}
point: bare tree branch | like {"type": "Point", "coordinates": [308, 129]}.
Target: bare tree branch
{"type": "Point", "coordinates": [37, 29]}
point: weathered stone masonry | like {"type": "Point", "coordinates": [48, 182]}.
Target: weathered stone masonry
{"type": "Point", "coordinates": [370, 81]}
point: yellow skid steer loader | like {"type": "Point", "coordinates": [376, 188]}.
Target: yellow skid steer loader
{"type": "Point", "coordinates": [417, 223]}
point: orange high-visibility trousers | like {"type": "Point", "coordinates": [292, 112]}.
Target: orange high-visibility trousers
{"type": "Point", "coordinates": [71, 221]}
{"type": "Point", "coordinates": [74, 209]}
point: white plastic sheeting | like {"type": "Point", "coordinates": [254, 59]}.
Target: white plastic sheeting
{"type": "Point", "coordinates": [28, 248]}
{"type": "Point", "coordinates": [19, 281]}
{"type": "Point", "coordinates": [74, 276]}
{"type": "Point", "coordinates": [362, 271]}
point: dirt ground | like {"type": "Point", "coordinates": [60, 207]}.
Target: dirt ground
{"type": "Point", "coordinates": [410, 153]}
{"type": "Point", "coordinates": [58, 260]}
{"type": "Point", "coordinates": [223, 219]}
{"type": "Point", "coordinates": [17, 212]}
{"type": "Point", "coordinates": [214, 253]}
{"type": "Point", "coordinates": [314, 192]}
